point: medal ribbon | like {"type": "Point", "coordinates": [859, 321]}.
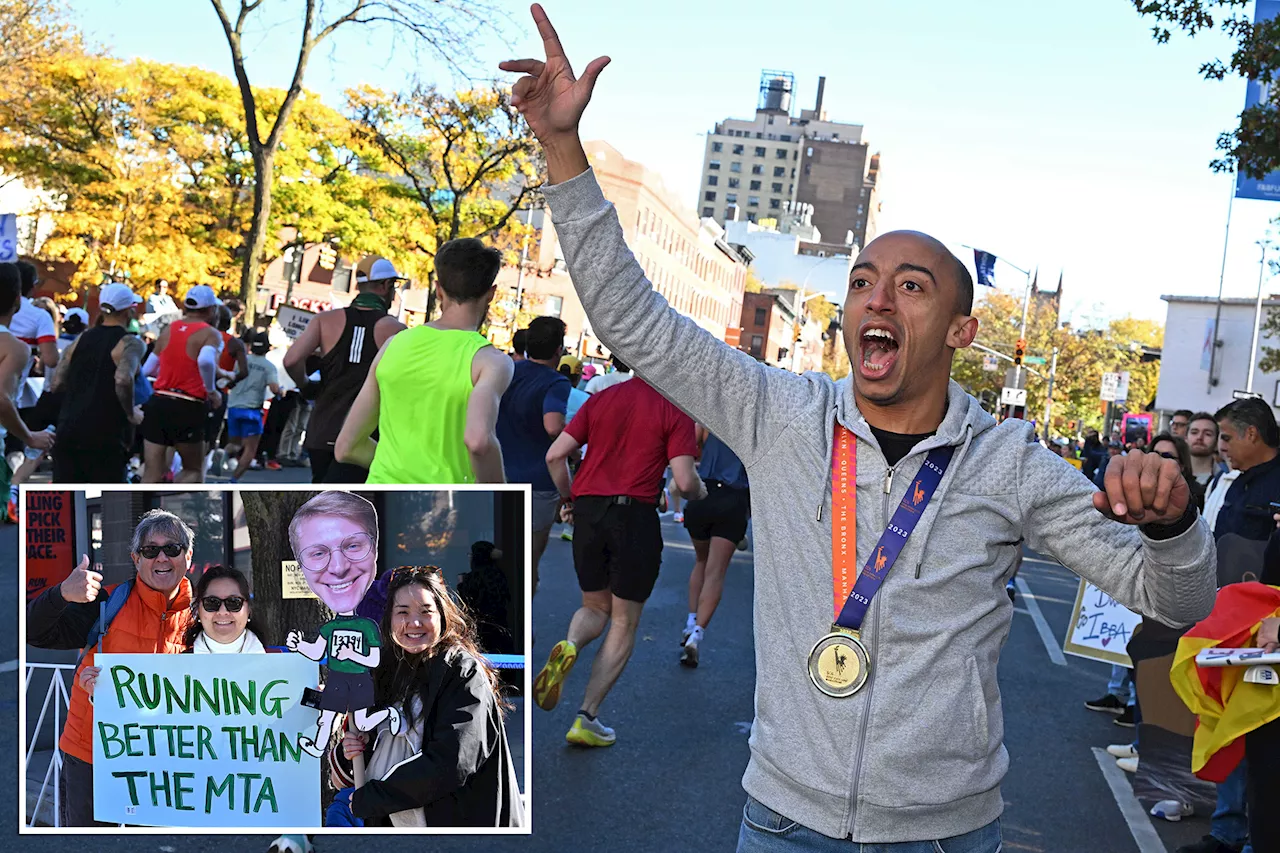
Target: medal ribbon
{"type": "Point", "coordinates": [844, 468]}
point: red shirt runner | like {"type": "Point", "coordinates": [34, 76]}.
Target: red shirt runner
{"type": "Point", "coordinates": [634, 432]}
{"type": "Point", "coordinates": [179, 371]}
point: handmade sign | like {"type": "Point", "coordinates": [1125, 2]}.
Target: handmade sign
{"type": "Point", "coordinates": [1235, 657]}
{"type": "Point", "coordinates": [204, 741]}
{"type": "Point", "coordinates": [335, 539]}
{"type": "Point", "coordinates": [1100, 627]}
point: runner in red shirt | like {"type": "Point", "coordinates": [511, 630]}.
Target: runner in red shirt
{"type": "Point", "coordinates": [186, 358]}
{"type": "Point", "coordinates": [635, 433]}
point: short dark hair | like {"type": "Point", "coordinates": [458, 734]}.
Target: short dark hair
{"type": "Point", "coordinates": [467, 268]}
{"type": "Point", "coordinates": [222, 320]}
{"type": "Point", "coordinates": [73, 325]}
{"type": "Point", "coordinates": [1183, 413]}
{"type": "Point", "coordinates": [30, 276]}
{"type": "Point", "coordinates": [545, 338]}
{"type": "Point", "coordinates": [1254, 413]}
{"type": "Point", "coordinates": [10, 288]}
{"type": "Point", "coordinates": [1202, 416]}
{"type": "Point", "coordinates": [618, 365]}
{"type": "Point", "coordinates": [520, 340]}
{"type": "Point", "coordinates": [964, 287]}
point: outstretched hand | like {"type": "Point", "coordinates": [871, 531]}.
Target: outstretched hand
{"type": "Point", "coordinates": [549, 96]}
{"type": "Point", "coordinates": [1143, 488]}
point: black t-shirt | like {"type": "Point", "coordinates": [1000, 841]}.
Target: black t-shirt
{"type": "Point", "coordinates": [896, 445]}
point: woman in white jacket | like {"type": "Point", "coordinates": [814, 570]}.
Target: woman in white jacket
{"type": "Point", "coordinates": [224, 617]}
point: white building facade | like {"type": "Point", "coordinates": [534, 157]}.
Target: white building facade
{"type": "Point", "coordinates": [1188, 354]}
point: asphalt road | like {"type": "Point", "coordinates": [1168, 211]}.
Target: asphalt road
{"type": "Point", "coordinates": [672, 781]}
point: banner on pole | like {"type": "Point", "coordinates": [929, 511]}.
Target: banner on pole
{"type": "Point", "coordinates": [1266, 188]}
{"type": "Point", "coordinates": [204, 741]}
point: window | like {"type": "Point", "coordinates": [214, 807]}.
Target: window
{"type": "Point", "coordinates": [717, 147]}
{"type": "Point", "coordinates": [759, 135]}
{"type": "Point", "coordinates": [751, 216]}
{"type": "Point", "coordinates": [735, 166]}
{"type": "Point", "coordinates": [779, 171]}
{"type": "Point", "coordinates": [806, 168]}
{"type": "Point", "coordinates": [781, 153]}
{"type": "Point", "coordinates": [761, 316]}
{"type": "Point", "coordinates": [793, 174]}
{"type": "Point", "coordinates": [713, 180]}
{"type": "Point", "coordinates": [835, 136]}
{"type": "Point", "coordinates": [809, 153]}
{"type": "Point", "coordinates": [731, 198]}
{"type": "Point", "coordinates": [737, 149]}
{"type": "Point", "coordinates": [753, 201]}
{"type": "Point", "coordinates": [728, 214]}
{"type": "Point", "coordinates": [757, 344]}
{"type": "Point", "coordinates": [775, 204]}
{"type": "Point", "coordinates": [777, 188]}
{"type": "Point", "coordinates": [709, 195]}
{"type": "Point", "coordinates": [714, 165]}
{"type": "Point", "coordinates": [760, 151]}
{"type": "Point", "coordinates": [755, 185]}
{"type": "Point", "coordinates": [757, 169]}
{"type": "Point", "coordinates": [733, 183]}
{"type": "Point", "coordinates": [786, 137]}
{"type": "Point", "coordinates": [554, 305]}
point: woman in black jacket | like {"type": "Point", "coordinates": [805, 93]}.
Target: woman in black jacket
{"type": "Point", "coordinates": [451, 765]}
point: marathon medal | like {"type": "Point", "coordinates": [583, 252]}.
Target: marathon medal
{"type": "Point", "coordinates": [839, 663]}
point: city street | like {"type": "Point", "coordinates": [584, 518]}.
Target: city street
{"type": "Point", "coordinates": [672, 781]}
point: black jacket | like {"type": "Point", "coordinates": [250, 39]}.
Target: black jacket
{"type": "Point", "coordinates": [1246, 510]}
{"type": "Point", "coordinates": [464, 775]}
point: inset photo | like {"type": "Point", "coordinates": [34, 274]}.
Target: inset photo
{"type": "Point", "coordinates": [245, 659]}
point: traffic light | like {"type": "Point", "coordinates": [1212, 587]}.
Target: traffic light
{"type": "Point", "coordinates": [328, 256]}
{"type": "Point", "coordinates": [1019, 350]}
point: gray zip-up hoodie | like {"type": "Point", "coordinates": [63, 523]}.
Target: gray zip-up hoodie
{"type": "Point", "coordinates": [918, 754]}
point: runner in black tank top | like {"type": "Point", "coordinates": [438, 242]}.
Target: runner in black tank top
{"type": "Point", "coordinates": [343, 370]}
{"type": "Point", "coordinates": [94, 433]}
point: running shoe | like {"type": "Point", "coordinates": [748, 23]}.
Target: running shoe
{"type": "Point", "coordinates": [1128, 765]}
{"type": "Point", "coordinates": [678, 518]}
{"type": "Point", "coordinates": [1122, 750]}
{"type": "Point", "coordinates": [590, 733]}
{"type": "Point", "coordinates": [1172, 810]}
{"type": "Point", "coordinates": [546, 687]}
{"type": "Point", "coordinates": [689, 654]}
{"type": "Point", "coordinates": [1107, 704]}
{"type": "Point", "coordinates": [1126, 718]}
{"type": "Point", "coordinates": [273, 465]}
{"type": "Point", "coordinates": [742, 546]}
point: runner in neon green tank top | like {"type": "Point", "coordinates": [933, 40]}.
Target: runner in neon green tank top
{"type": "Point", "coordinates": [433, 391]}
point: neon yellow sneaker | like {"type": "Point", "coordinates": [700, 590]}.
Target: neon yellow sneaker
{"type": "Point", "coordinates": [590, 733]}
{"type": "Point", "coordinates": [546, 687]}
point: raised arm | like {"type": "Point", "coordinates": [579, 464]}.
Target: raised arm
{"type": "Point", "coordinates": [704, 376]}
{"type": "Point", "coordinates": [491, 372]}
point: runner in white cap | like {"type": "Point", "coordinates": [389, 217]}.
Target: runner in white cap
{"type": "Point", "coordinates": [185, 363]}
{"type": "Point", "coordinates": [98, 412]}
{"type": "Point", "coordinates": [13, 360]}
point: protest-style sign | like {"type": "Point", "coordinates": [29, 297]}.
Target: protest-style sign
{"type": "Point", "coordinates": [1100, 627]}
{"type": "Point", "coordinates": [293, 583]}
{"type": "Point", "coordinates": [293, 320]}
{"type": "Point", "coordinates": [8, 238]}
{"type": "Point", "coordinates": [204, 741]}
{"type": "Point", "coordinates": [50, 539]}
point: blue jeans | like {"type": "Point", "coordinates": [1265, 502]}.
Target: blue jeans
{"type": "Point", "coordinates": [1122, 686]}
{"type": "Point", "coordinates": [765, 831]}
{"type": "Point", "coordinates": [1230, 824]}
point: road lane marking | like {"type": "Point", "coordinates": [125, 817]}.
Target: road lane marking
{"type": "Point", "coordinates": [1042, 627]}
{"type": "Point", "coordinates": [9, 666]}
{"type": "Point", "coordinates": [1144, 834]}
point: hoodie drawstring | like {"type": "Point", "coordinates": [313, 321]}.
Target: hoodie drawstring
{"type": "Point", "coordinates": [942, 492]}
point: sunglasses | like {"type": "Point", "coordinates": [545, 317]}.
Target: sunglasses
{"type": "Point", "coordinates": [416, 572]}
{"type": "Point", "coordinates": [211, 603]}
{"type": "Point", "coordinates": [172, 550]}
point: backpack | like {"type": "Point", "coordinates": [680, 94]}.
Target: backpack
{"type": "Point", "coordinates": [107, 611]}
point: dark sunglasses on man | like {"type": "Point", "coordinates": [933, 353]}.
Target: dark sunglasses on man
{"type": "Point", "coordinates": [172, 550]}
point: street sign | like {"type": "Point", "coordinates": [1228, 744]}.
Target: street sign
{"type": "Point", "coordinates": [8, 238]}
{"type": "Point", "coordinates": [1013, 397]}
{"type": "Point", "coordinates": [1110, 383]}
{"type": "Point", "coordinates": [1122, 389]}
{"type": "Point", "coordinates": [990, 363]}
{"type": "Point", "coordinates": [1033, 359]}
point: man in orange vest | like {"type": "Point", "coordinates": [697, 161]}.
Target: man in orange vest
{"type": "Point", "coordinates": [153, 618]}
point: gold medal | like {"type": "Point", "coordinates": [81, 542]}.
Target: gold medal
{"type": "Point", "coordinates": [839, 664]}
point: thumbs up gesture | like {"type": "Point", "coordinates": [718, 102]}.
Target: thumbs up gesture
{"type": "Point", "coordinates": [82, 585]}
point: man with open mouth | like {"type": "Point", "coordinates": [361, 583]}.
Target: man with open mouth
{"type": "Point", "coordinates": [889, 510]}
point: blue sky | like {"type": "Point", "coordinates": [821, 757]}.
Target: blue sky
{"type": "Point", "coordinates": [1057, 135]}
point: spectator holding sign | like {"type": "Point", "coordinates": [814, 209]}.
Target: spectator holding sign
{"type": "Point", "coordinates": [148, 613]}
{"type": "Point", "coordinates": [452, 765]}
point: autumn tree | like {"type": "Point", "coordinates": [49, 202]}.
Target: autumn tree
{"type": "Point", "coordinates": [446, 28]}
{"type": "Point", "coordinates": [468, 163]}
{"type": "Point", "coordinates": [1253, 146]}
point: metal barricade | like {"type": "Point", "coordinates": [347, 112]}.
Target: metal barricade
{"type": "Point", "coordinates": [57, 697]}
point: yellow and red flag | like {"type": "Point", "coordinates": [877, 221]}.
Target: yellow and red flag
{"type": "Point", "coordinates": [1227, 707]}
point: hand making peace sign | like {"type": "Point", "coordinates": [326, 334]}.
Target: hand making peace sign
{"type": "Point", "coordinates": [552, 99]}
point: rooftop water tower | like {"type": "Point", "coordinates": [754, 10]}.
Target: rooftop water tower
{"type": "Point", "coordinates": [775, 91]}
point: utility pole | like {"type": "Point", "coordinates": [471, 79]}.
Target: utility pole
{"type": "Point", "coordinates": [1257, 316]}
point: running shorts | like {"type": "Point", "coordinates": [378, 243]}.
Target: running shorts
{"type": "Point", "coordinates": [722, 513]}
{"type": "Point", "coordinates": [244, 423]}
{"type": "Point", "coordinates": [171, 420]}
{"type": "Point", "coordinates": [617, 547]}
